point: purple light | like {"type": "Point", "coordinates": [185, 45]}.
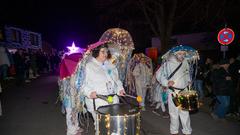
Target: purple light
{"type": "Point", "coordinates": [74, 49]}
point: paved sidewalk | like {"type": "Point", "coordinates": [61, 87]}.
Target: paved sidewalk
{"type": "Point", "coordinates": [202, 124]}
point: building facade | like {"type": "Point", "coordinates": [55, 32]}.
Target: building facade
{"type": "Point", "coordinates": [13, 37]}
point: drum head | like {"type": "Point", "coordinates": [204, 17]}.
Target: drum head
{"type": "Point", "coordinates": [118, 109]}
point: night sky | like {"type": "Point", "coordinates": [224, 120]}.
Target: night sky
{"type": "Point", "coordinates": [59, 22]}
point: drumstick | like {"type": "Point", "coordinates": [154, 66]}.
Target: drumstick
{"type": "Point", "coordinates": [138, 98]}
{"type": "Point", "coordinates": [130, 96]}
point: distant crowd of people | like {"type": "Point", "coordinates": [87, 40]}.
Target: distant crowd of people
{"type": "Point", "coordinates": [25, 65]}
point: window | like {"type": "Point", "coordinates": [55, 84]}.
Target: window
{"type": "Point", "coordinates": [34, 39]}
{"type": "Point", "coordinates": [16, 36]}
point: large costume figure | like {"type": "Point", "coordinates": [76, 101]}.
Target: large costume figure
{"type": "Point", "coordinates": [70, 93]}
{"type": "Point", "coordinates": [174, 74]}
{"type": "Point", "coordinates": [142, 75]}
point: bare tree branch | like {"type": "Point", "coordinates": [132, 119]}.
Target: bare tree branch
{"type": "Point", "coordinates": [185, 11]}
{"type": "Point", "coordinates": [147, 17]}
{"type": "Point", "coordinates": [159, 23]}
{"type": "Point", "coordinates": [158, 3]}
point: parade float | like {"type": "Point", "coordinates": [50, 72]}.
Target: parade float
{"type": "Point", "coordinates": [70, 81]}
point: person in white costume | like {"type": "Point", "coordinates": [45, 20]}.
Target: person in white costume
{"type": "Point", "coordinates": [142, 75]}
{"type": "Point", "coordinates": [159, 97]}
{"type": "Point", "coordinates": [69, 105]}
{"type": "Point", "coordinates": [101, 79]}
{"type": "Point", "coordinates": [179, 81]}
{"type": "Point", "coordinates": [72, 120]}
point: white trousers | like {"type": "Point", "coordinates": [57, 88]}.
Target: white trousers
{"type": "Point", "coordinates": [72, 122]}
{"type": "Point", "coordinates": [141, 91]}
{"type": "Point", "coordinates": [157, 94]}
{"type": "Point", "coordinates": [162, 105]}
{"type": "Point", "coordinates": [175, 113]}
{"type": "Point", "coordinates": [158, 98]}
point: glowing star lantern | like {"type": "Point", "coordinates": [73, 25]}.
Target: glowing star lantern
{"type": "Point", "coordinates": [73, 49]}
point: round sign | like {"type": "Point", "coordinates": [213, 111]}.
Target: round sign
{"type": "Point", "coordinates": [226, 36]}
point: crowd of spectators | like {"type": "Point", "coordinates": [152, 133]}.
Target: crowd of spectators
{"type": "Point", "coordinates": [25, 65]}
{"type": "Point", "coordinates": [219, 81]}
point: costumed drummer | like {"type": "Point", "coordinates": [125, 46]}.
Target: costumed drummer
{"type": "Point", "coordinates": [101, 78]}
{"type": "Point", "coordinates": [174, 74]}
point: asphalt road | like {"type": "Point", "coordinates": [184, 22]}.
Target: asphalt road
{"type": "Point", "coordinates": [31, 110]}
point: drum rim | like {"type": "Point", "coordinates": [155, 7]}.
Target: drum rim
{"type": "Point", "coordinates": [113, 116]}
{"type": "Point", "coordinates": [138, 111]}
{"type": "Point", "coordinates": [193, 92]}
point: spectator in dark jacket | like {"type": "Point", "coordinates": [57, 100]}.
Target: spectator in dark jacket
{"type": "Point", "coordinates": [207, 69]}
{"type": "Point", "coordinates": [33, 64]}
{"type": "Point", "coordinates": [4, 63]}
{"type": "Point", "coordinates": [234, 69]}
{"type": "Point", "coordinates": [198, 82]}
{"type": "Point", "coordinates": [27, 66]}
{"type": "Point", "coordinates": [222, 85]}
{"type": "Point", "coordinates": [19, 66]}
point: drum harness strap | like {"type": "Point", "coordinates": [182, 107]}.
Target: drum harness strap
{"type": "Point", "coordinates": [175, 101]}
{"type": "Point", "coordinates": [172, 74]}
{"type": "Point", "coordinates": [94, 104]}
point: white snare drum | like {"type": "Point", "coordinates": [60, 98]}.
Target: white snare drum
{"type": "Point", "coordinates": [118, 119]}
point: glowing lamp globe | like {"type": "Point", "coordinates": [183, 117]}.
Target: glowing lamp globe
{"type": "Point", "coordinates": [139, 99]}
{"type": "Point", "coordinates": [110, 99]}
